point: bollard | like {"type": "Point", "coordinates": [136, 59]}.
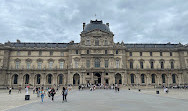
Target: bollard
{"type": "Point", "coordinates": [157, 92]}
{"type": "Point", "coordinates": [139, 90]}
{"type": "Point", "coordinates": [129, 89]}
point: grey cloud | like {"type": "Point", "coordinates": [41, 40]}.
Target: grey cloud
{"type": "Point", "coordinates": [133, 21]}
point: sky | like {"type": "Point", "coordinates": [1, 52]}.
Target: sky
{"type": "Point", "coordinates": [131, 21]}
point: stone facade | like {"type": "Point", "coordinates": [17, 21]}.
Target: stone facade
{"type": "Point", "coordinates": [96, 59]}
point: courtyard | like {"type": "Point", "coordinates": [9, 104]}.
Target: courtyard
{"type": "Point", "coordinates": [99, 100]}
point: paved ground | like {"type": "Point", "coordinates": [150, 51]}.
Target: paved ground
{"type": "Point", "coordinates": [108, 100]}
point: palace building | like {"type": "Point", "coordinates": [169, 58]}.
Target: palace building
{"type": "Point", "coordinates": [95, 59]}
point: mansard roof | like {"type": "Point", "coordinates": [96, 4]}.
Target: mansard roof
{"type": "Point", "coordinates": [37, 45]}
{"type": "Point", "coordinates": [153, 45]}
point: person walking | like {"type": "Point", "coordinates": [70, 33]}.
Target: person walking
{"type": "Point", "coordinates": [53, 93]}
{"type": "Point", "coordinates": [42, 94]}
{"type": "Point", "coordinates": [38, 92]}
{"type": "Point", "coordinates": [10, 90]}
{"type": "Point", "coordinates": [63, 94]}
{"type": "Point", "coordinates": [33, 90]}
{"type": "Point", "coordinates": [19, 89]}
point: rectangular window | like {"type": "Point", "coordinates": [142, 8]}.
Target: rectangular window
{"type": "Point", "coordinates": [140, 53]}
{"type": "Point", "coordinates": [117, 64]}
{"type": "Point", "coordinates": [17, 65]}
{"type": "Point", "coordinates": [106, 63]}
{"type": "Point", "coordinates": [87, 51]}
{"type": "Point", "coordinates": [151, 54]}
{"type": "Point", "coordinates": [76, 64]}
{"type": "Point", "coordinates": [151, 64]}
{"type": "Point", "coordinates": [51, 53]}
{"type": "Point", "coordinates": [131, 65]}
{"type": "Point", "coordinates": [141, 65]}
{"type": "Point", "coordinates": [106, 52]}
{"type": "Point", "coordinates": [88, 63]}
{"type": "Point", "coordinates": [162, 65]}
{"type": "Point", "coordinates": [130, 54]}
{"type": "Point", "coordinates": [161, 53]}
{"type": "Point", "coordinates": [40, 53]}
{"type": "Point", "coordinates": [50, 65]}
{"type": "Point", "coordinates": [87, 42]}
{"type": "Point", "coordinates": [116, 51]}
{"type": "Point", "coordinates": [29, 53]}
{"type": "Point", "coordinates": [39, 66]}
{"type": "Point", "coordinates": [62, 53]}
{"type": "Point", "coordinates": [18, 53]}
{"type": "Point", "coordinates": [97, 42]}
{"type": "Point", "coordinates": [28, 65]}
{"type": "Point", "coordinates": [106, 42]}
{"type": "Point", "coordinates": [76, 51]}
{"type": "Point", "coordinates": [171, 54]}
{"type": "Point", "coordinates": [172, 65]}
{"type": "Point", "coordinates": [61, 64]}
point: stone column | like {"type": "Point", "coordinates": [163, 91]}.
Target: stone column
{"type": "Point", "coordinates": [92, 81]}
{"type": "Point", "coordinates": [102, 78]}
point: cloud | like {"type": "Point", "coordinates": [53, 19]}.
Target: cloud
{"type": "Point", "coordinates": [133, 21]}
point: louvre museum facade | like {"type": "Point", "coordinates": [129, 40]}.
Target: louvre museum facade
{"type": "Point", "coordinates": [95, 59]}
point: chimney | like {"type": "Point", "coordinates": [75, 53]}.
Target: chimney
{"type": "Point", "coordinates": [107, 24]}
{"type": "Point", "coordinates": [84, 26]}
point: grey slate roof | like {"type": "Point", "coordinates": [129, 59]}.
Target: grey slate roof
{"type": "Point", "coordinates": [96, 25]}
{"type": "Point", "coordinates": [38, 45]}
{"type": "Point", "coordinates": [152, 45]}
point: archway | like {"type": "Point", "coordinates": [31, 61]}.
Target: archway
{"type": "Point", "coordinates": [132, 78]}
{"type": "Point", "coordinates": [164, 78]}
{"type": "Point", "coordinates": [26, 79]}
{"type": "Point", "coordinates": [118, 79]}
{"type": "Point", "coordinates": [143, 78]}
{"type": "Point", "coordinates": [60, 79]}
{"type": "Point", "coordinates": [76, 79]}
{"type": "Point", "coordinates": [97, 78]}
{"type": "Point", "coordinates": [174, 78]}
{"type": "Point", "coordinates": [49, 79]}
{"type": "Point", "coordinates": [15, 79]}
{"type": "Point", "coordinates": [38, 79]}
{"type": "Point", "coordinates": [153, 78]}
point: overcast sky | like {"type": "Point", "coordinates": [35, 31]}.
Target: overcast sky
{"type": "Point", "coordinates": [133, 21]}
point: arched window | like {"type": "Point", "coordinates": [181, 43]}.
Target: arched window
{"type": "Point", "coordinates": [173, 78]}
{"type": "Point", "coordinates": [152, 64]}
{"type": "Point", "coordinates": [49, 79]}
{"type": "Point", "coordinates": [172, 64]}
{"type": "Point", "coordinates": [141, 64]}
{"type": "Point", "coordinates": [132, 78]}
{"type": "Point", "coordinates": [26, 79]}
{"type": "Point", "coordinates": [163, 78]}
{"type": "Point", "coordinates": [142, 78]}
{"type": "Point", "coordinates": [60, 80]}
{"type": "Point", "coordinates": [38, 78]}
{"type": "Point", "coordinates": [153, 78]}
{"type": "Point", "coordinates": [131, 64]}
{"type": "Point", "coordinates": [15, 79]}
{"type": "Point", "coordinates": [97, 63]}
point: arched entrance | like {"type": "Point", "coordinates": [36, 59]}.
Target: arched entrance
{"type": "Point", "coordinates": [118, 79]}
{"type": "Point", "coordinates": [38, 79]}
{"type": "Point", "coordinates": [76, 79]}
{"type": "Point", "coordinates": [15, 79]}
{"type": "Point", "coordinates": [49, 79]}
{"type": "Point", "coordinates": [97, 78]}
{"type": "Point", "coordinates": [26, 79]}
{"type": "Point", "coordinates": [60, 79]}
